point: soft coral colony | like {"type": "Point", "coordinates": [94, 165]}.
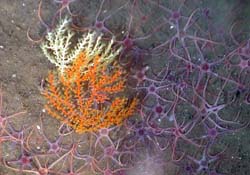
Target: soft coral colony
{"type": "Point", "coordinates": [87, 90]}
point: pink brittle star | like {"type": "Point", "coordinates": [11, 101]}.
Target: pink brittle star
{"type": "Point", "coordinates": [99, 24]}
{"type": "Point", "coordinates": [112, 153]}
{"type": "Point", "coordinates": [104, 134]}
{"type": "Point", "coordinates": [179, 131]}
{"type": "Point", "coordinates": [54, 147]}
{"type": "Point", "coordinates": [206, 159]}
{"type": "Point", "coordinates": [23, 163]}
{"type": "Point", "coordinates": [65, 4]}
{"type": "Point", "coordinates": [210, 112]}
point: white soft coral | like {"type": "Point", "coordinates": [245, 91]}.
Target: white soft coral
{"type": "Point", "coordinates": [59, 50]}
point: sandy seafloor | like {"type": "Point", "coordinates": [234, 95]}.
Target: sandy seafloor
{"type": "Point", "coordinates": [23, 67]}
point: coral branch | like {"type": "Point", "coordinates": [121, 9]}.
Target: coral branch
{"type": "Point", "coordinates": [86, 94]}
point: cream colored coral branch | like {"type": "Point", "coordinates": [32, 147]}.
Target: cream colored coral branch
{"type": "Point", "coordinates": [60, 50]}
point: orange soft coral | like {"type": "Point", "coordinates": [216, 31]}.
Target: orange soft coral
{"type": "Point", "coordinates": [89, 95]}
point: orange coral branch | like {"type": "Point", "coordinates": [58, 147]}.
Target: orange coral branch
{"type": "Point", "coordinates": [88, 96]}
